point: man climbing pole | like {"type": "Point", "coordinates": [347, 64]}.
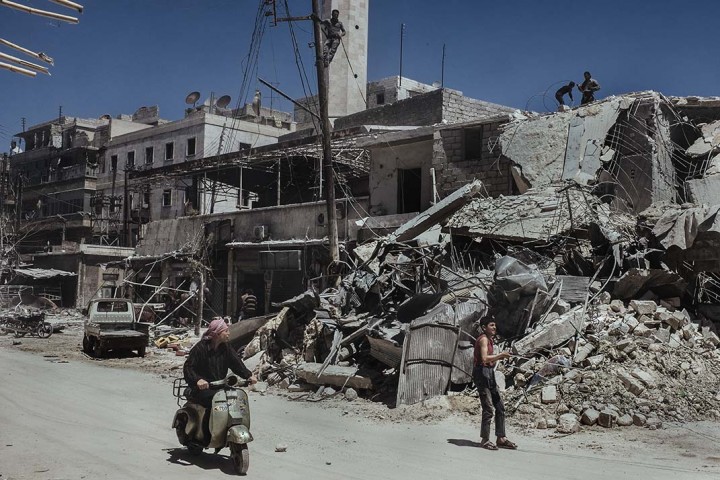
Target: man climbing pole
{"type": "Point", "coordinates": [334, 31]}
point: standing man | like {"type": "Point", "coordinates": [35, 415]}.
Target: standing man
{"type": "Point", "coordinates": [249, 304]}
{"type": "Point", "coordinates": [564, 90]}
{"type": "Point", "coordinates": [484, 377]}
{"type": "Point", "coordinates": [334, 31]}
{"type": "Point", "coordinates": [588, 89]}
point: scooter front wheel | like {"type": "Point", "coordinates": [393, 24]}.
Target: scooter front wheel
{"type": "Point", "coordinates": [240, 455]}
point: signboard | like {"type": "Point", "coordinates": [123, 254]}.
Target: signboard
{"type": "Point", "coordinates": [281, 260]}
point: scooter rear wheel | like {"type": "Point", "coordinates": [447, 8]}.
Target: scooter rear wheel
{"type": "Point", "coordinates": [240, 455]}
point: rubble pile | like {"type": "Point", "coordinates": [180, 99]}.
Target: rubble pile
{"type": "Point", "coordinates": [402, 321]}
{"type": "Point", "coordinates": [635, 364]}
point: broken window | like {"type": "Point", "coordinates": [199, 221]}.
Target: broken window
{"type": "Point", "coordinates": [473, 143]}
{"type": "Point", "coordinates": [149, 152]}
{"type": "Point", "coordinates": [167, 198]}
{"type": "Point", "coordinates": [146, 200]}
{"type": "Point", "coordinates": [191, 146]}
{"type": "Point", "coordinates": [169, 150]}
{"type": "Point", "coordinates": [113, 163]}
{"type": "Point", "coordinates": [409, 190]}
{"type": "Point", "coordinates": [380, 98]}
{"type": "Point", "coordinates": [130, 163]}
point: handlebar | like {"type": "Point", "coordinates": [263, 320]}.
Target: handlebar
{"type": "Point", "coordinates": [230, 381]}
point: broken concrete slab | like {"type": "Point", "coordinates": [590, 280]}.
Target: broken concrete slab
{"type": "Point", "coordinates": [551, 334]}
{"type": "Point", "coordinates": [333, 375]}
{"type": "Point", "coordinates": [646, 378]}
{"type": "Point", "coordinates": [437, 213]}
{"type": "Point", "coordinates": [625, 420]}
{"type": "Point", "coordinates": [606, 418]}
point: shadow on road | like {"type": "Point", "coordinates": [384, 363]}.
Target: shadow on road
{"type": "Point", "coordinates": [206, 461]}
{"type": "Point", "coordinates": [461, 442]}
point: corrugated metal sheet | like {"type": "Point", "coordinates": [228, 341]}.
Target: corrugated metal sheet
{"type": "Point", "coordinates": [428, 354]}
{"type": "Point", "coordinates": [463, 363]}
{"type": "Point", "coordinates": [42, 273]}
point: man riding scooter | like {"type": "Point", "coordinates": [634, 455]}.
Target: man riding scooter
{"type": "Point", "coordinates": [209, 361]}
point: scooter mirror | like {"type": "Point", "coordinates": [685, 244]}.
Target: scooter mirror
{"type": "Point", "coordinates": [231, 381]}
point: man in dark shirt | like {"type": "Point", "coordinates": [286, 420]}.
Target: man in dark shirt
{"type": "Point", "coordinates": [209, 361]}
{"type": "Point", "coordinates": [485, 359]}
{"type": "Point", "coordinates": [334, 31]}
{"type": "Point", "coordinates": [564, 90]}
{"type": "Point", "coordinates": [588, 89]}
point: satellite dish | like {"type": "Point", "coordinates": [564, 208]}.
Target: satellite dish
{"type": "Point", "coordinates": [192, 98]}
{"type": "Point", "coordinates": [223, 101]}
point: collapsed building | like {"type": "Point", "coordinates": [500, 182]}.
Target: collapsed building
{"type": "Point", "coordinates": [593, 244]}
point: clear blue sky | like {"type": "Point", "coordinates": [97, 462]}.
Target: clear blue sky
{"type": "Point", "coordinates": [128, 53]}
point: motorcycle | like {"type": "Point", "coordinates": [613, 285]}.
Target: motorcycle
{"type": "Point", "coordinates": [229, 421]}
{"type": "Point", "coordinates": [22, 324]}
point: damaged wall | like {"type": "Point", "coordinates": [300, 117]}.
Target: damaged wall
{"type": "Point", "coordinates": [623, 143]}
{"type": "Point", "coordinates": [384, 181]}
{"type": "Point", "coordinates": [426, 109]}
{"type": "Point", "coordinates": [456, 161]}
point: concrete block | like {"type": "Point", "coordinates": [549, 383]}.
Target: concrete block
{"type": "Point", "coordinates": [583, 352]}
{"type": "Point", "coordinates": [568, 423]}
{"type": "Point", "coordinates": [626, 345]}
{"type": "Point", "coordinates": [606, 418]}
{"type": "Point", "coordinates": [551, 334]}
{"type": "Point", "coordinates": [631, 322]}
{"type": "Point", "coordinates": [631, 383]}
{"type": "Point", "coordinates": [646, 378]}
{"type": "Point", "coordinates": [548, 394]}
{"type": "Point", "coordinates": [625, 420]}
{"type": "Point", "coordinates": [643, 307]}
{"type": "Point", "coordinates": [662, 335]}
{"type": "Point", "coordinates": [639, 419]}
{"type": "Point", "coordinates": [594, 361]}
{"type": "Point", "coordinates": [711, 338]}
{"type": "Point", "coordinates": [642, 331]}
{"type": "Point", "coordinates": [590, 416]}
{"type": "Point", "coordinates": [617, 306]}
{"type": "Point", "coordinates": [674, 341]}
{"type": "Point", "coordinates": [677, 320]}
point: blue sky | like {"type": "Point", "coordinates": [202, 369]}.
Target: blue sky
{"type": "Point", "coordinates": [128, 53]}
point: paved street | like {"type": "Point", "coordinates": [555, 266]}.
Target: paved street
{"type": "Point", "coordinates": [82, 420]}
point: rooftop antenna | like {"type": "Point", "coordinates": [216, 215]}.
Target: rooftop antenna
{"type": "Point", "coordinates": [192, 98]}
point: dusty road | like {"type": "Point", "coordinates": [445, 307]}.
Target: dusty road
{"type": "Point", "coordinates": [82, 420]}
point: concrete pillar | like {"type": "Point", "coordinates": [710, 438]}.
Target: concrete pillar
{"type": "Point", "coordinates": [348, 79]}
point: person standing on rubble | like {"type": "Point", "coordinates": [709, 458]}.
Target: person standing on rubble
{"type": "Point", "coordinates": [564, 90]}
{"type": "Point", "coordinates": [484, 363]}
{"type": "Point", "coordinates": [334, 31]}
{"type": "Point", "coordinates": [588, 89]}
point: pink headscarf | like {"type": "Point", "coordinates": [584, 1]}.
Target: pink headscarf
{"type": "Point", "coordinates": [215, 328]}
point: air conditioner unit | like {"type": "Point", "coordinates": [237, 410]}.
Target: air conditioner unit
{"type": "Point", "coordinates": [261, 232]}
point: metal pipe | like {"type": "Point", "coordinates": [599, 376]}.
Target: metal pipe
{"type": "Point", "coordinates": [41, 13]}
{"type": "Point", "coordinates": [15, 69]}
{"type": "Point", "coordinates": [24, 63]}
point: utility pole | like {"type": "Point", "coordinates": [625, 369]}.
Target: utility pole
{"type": "Point", "coordinates": [126, 211]}
{"type": "Point", "coordinates": [327, 168]}
{"type": "Point", "coordinates": [322, 74]}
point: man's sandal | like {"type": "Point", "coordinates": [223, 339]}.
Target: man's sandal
{"type": "Point", "coordinates": [488, 445]}
{"type": "Point", "coordinates": [507, 444]}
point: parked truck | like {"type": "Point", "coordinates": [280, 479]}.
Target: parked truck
{"type": "Point", "coordinates": [111, 324]}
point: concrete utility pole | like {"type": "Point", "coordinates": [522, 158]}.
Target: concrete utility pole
{"type": "Point", "coordinates": [322, 74]}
